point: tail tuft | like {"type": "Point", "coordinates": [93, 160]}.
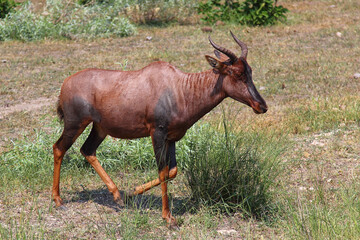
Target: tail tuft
{"type": "Point", "coordinates": [59, 111]}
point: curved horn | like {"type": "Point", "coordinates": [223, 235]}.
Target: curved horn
{"type": "Point", "coordinates": [227, 52]}
{"type": "Point", "coordinates": [244, 49]}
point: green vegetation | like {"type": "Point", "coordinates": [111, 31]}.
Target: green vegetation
{"type": "Point", "coordinates": [232, 171]}
{"type": "Point", "coordinates": [261, 13]}
{"type": "Point", "coordinates": [63, 20]}
{"type": "Point", "coordinates": [319, 219]}
{"type": "Point", "coordinates": [234, 175]}
{"type": "Point", "coordinates": [6, 6]}
{"type": "Point", "coordinates": [92, 19]}
{"type": "Point", "coordinates": [104, 19]}
{"type": "Point", "coordinates": [324, 114]}
{"type": "Point", "coordinates": [161, 12]}
{"type": "Point", "coordinates": [249, 12]}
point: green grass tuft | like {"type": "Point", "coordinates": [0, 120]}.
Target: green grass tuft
{"type": "Point", "coordinates": [234, 171]}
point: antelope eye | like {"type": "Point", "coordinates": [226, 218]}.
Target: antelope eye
{"type": "Point", "coordinates": [240, 76]}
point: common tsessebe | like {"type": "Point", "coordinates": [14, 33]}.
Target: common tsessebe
{"type": "Point", "coordinates": [159, 101]}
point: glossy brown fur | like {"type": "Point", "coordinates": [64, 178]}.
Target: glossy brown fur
{"type": "Point", "coordinates": [158, 101]}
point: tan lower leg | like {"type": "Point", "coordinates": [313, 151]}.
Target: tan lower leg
{"type": "Point", "coordinates": [166, 214]}
{"type": "Point", "coordinates": [58, 156]}
{"type": "Point", "coordinates": [104, 176]}
{"type": "Point", "coordinates": [147, 186]}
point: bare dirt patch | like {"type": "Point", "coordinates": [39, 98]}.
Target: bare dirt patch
{"type": "Point", "coordinates": [32, 105]}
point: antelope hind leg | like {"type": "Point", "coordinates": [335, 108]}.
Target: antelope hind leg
{"type": "Point", "coordinates": [70, 133]}
{"type": "Point", "coordinates": [89, 151]}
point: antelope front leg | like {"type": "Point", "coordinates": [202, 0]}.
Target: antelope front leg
{"type": "Point", "coordinates": [147, 186]}
{"type": "Point", "coordinates": [164, 176]}
{"type": "Point", "coordinates": [167, 173]}
{"type": "Point", "coordinates": [166, 161]}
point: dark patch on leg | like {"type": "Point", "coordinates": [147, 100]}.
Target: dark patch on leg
{"type": "Point", "coordinates": [92, 142]}
{"type": "Point", "coordinates": [71, 132]}
{"type": "Point", "coordinates": [164, 110]}
{"type": "Point", "coordinates": [68, 137]}
{"type": "Point", "coordinates": [160, 147]}
{"type": "Point", "coordinates": [171, 158]}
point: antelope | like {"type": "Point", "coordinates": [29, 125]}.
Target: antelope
{"type": "Point", "coordinates": [159, 101]}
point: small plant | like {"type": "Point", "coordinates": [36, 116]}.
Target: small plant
{"type": "Point", "coordinates": [250, 12]}
{"type": "Point", "coordinates": [6, 6]}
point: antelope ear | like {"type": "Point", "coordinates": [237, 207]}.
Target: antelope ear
{"type": "Point", "coordinates": [217, 53]}
{"type": "Point", "coordinates": [214, 63]}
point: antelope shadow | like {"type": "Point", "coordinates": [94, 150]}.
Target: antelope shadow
{"type": "Point", "coordinates": [101, 196]}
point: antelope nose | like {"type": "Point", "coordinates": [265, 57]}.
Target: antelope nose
{"type": "Point", "coordinates": [260, 108]}
{"type": "Point", "coordinates": [264, 108]}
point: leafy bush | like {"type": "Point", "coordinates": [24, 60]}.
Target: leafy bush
{"type": "Point", "coordinates": [262, 12]}
{"type": "Point", "coordinates": [214, 10]}
{"type": "Point", "coordinates": [6, 6]}
{"type": "Point", "coordinates": [250, 12]}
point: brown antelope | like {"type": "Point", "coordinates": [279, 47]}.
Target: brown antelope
{"type": "Point", "coordinates": [159, 101]}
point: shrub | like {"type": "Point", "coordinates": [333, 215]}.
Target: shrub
{"type": "Point", "coordinates": [234, 172]}
{"type": "Point", "coordinates": [262, 12]}
{"type": "Point", "coordinates": [6, 6]}
{"type": "Point", "coordinates": [214, 10]}
{"type": "Point", "coordinates": [250, 12]}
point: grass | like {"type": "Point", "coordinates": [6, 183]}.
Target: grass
{"type": "Point", "coordinates": [319, 219]}
{"type": "Point", "coordinates": [302, 68]}
{"type": "Point", "coordinates": [28, 167]}
{"type": "Point", "coordinates": [233, 172]}
{"type": "Point", "coordinates": [65, 20]}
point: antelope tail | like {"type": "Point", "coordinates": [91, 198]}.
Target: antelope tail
{"type": "Point", "coordinates": [59, 111]}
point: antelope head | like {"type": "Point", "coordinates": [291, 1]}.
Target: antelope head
{"type": "Point", "coordinates": [236, 75]}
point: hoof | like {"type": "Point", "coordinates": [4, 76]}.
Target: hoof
{"type": "Point", "coordinates": [173, 226]}
{"type": "Point", "coordinates": [120, 202]}
{"type": "Point", "coordinates": [62, 208]}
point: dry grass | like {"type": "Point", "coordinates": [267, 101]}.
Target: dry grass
{"type": "Point", "coordinates": [304, 70]}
